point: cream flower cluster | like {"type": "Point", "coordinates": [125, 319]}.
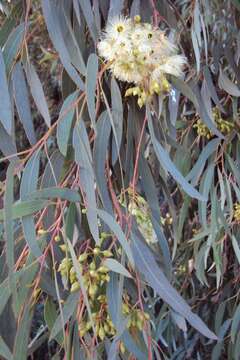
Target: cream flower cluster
{"type": "Point", "coordinates": [140, 54]}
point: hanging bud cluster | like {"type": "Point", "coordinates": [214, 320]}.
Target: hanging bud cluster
{"type": "Point", "coordinates": [224, 126]}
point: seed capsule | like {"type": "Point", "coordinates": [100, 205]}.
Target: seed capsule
{"type": "Point", "coordinates": [107, 253]}
{"type": "Point", "coordinates": [96, 251]}
{"type": "Point", "coordinates": [63, 248]}
{"type": "Point", "coordinates": [103, 269]}
{"type": "Point", "coordinates": [82, 257]}
{"type": "Point", "coordinates": [147, 316]}
{"type": "Point", "coordinates": [101, 333]}
{"type": "Point", "coordinates": [93, 273]}
{"type": "Point", "coordinates": [122, 347]}
{"type": "Point", "coordinates": [92, 290]}
{"type": "Point", "coordinates": [57, 238]}
{"type": "Point", "coordinates": [137, 19]}
{"type": "Point", "coordinates": [41, 232]}
{"type": "Point", "coordinates": [92, 266]}
{"type": "Point", "coordinates": [75, 286]}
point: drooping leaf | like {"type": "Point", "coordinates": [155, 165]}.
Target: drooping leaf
{"type": "Point", "coordinates": [147, 265]}
{"type": "Point", "coordinates": [25, 208]}
{"type": "Point", "coordinates": [225, 83]}
{"type": "Point", "coordinates": [67, 311]}
{"type": "Point", "coordinates": [99, 158]}
{"type": "Point", "coordinates": [22, 102]}
{"type": "Point", "coordinates": [54, 29]}
{"type": "Point", "coordinates": [91, 82]}
{"type": "Point", "coordinates": [37, 92]}
{"type": "Point", "coordinates": [12, 46]}
{"type": "Point", "coordinates": [117, 117]}
{"type": "Point", "coordinates": [116, 229]}
{"type": "Point", "coordinates": [88, 14]}
{"type": "Point", "coordinates": [83, 158]}
{"type": "Point", "coordinates": [5, 104]}
{"type": "Point", "coordinates": [117, 267]}
{"type": "Point", "coordinates": [22, 336]}
{"type": "Point", "coordinates": [168, 165]}
{"type": "Point", "coordinates": [54, 192]}
{"type": "Point", "coordinates": [28, 185]}
{"type": "Point", "coordinates": [4, 350]}
{"type": "Point", "coordinates": [65, 120]}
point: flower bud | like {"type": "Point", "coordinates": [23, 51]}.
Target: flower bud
{"type": "Point", "coordinates": [75, 286]}
{"type": "Point", "coordinates": [101, 333]}
{"type": "Point", "coordinates": [83, 257]}
{"type": "Point", "coordinates": [107, 253]}
{"type": "Point", "coordinates": [137, 19]}
{"type": "Point", "coordinates": [96, 251]}
{"type": "Point", "coordinates": [103, 269]}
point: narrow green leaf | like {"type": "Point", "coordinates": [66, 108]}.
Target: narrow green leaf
{"type": "Point", "coordinates": [67, 311]}
{"type": "Point", "coordinates": [50, 316]}
{"type": "Point", "coordinates": [226, 84]}
{"type": "Point", "coordinates": [8, 224]}
{"type": "Point", "coordinates": [116, 229]}
{"type": "Point", "coordinates": [211, 88]}
{"type": "Point", "coordinates": [37, 92]}
{"type": "Point", "coordinates": [22, 336]}
{"type": "Point", "coordinates": [198, 167]}
{"type": "Point", "coordinates": [168, 165]}
{"type": "Point", "coordinates": [88, 14]}
{"type": "Point", "coordinates": [117, 117]}
{"type": "Point", "coordinates": [99, 158]}
{"type": "Point", "coordinates": [22, 102]}
{"type": "Point", "coordinates": [12, 46]}
{"type": "Point", "coordinates": [5, 103]}
{"type": "Point", "coordinates": [91, 82]}
{"type": "Point", "coordinates": [54, 192]}
{"type": "Point", "coordinates": [235, 323]}
{"type": "Point", "coordinates": [29, 184]}
{"type": "Point", "coordinates": [64, 126]}
{"type": "Point", "coordinates": [236, 248]}
{"type": "Point", "coordinates": [54, 28]}
{"type": "Point", "coordinates": [7, 144]}
{"type": "Point", "coordinates": [147, 265]}
{"type": "Point", "coordinates": [185, 89]}
{"type": "Point", "coordinates": [117, 267]}
{"type": "Point", "coordinates": [24, 208]}
{"type": "Point", "coordinates": [4, 350]}
{"type": "Point", "coordinates": [83, 158]}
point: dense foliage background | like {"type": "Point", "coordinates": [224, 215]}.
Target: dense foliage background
{"type": "Point", "coordinates": [119, 226]}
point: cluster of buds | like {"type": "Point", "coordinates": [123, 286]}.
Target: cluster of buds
{"type": "Point", "coordinates": [136, 316]}
{"type": "Point", "coordinates": [95, 274]}
{"type": "Point", "coordinates": [139, 208]}
{"type": "Point", "coordinates": [140, 54]}
{"type": "Point", "coordinates": [236, 213]}
{"type": "Point", "coordinates": [102, 322]}
{"type": "Point", "coordinates": [95, 278]}
{"type": "Point", "coordinates": [224, 126]}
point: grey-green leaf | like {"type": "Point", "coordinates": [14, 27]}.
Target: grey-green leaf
{"type": "Point", "coordinates": [113, 225]}
{"type": "Point", "coordinates": [117, 267]}
{"type": "Point", "coordinates": [37, 92]}
{"type": "Point", "coordinates": [168, 165]}
{"type": "Point", "coordinates": [65, 122]}
{"type": "Point", "coordinates": [147, 265]}
{"type": "Point", "coordinates": [5, 103]}
{"type": "Point", "coordinates": [22, 102]}
{"type": "Point", "coordinates": [91, 82]}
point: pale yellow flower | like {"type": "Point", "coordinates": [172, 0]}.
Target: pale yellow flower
{"type": "Point", "coordinates": [140, 54]}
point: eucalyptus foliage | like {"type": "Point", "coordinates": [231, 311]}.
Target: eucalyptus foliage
{"type": "Point", "coordinates": [119, 218]}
